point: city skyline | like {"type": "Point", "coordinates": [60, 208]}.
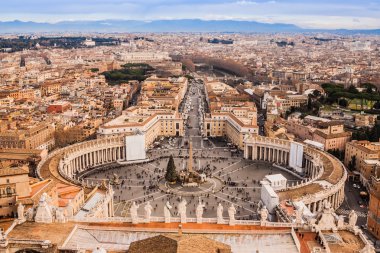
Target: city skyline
{"type": "Point", "coordinates": [335, 14]}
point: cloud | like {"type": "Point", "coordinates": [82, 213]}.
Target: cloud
{"type": "Point", "coordinates": [245, 2]}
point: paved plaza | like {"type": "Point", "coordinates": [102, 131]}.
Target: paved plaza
{"type": "Point", "coordinates": [240, 180]}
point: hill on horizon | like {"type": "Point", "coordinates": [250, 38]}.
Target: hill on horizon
{"type": "Point", "coordinates": [181, 25]}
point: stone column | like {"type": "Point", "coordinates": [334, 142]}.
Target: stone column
{"type": "Point", "coordinates": [258, 153]}
{"type": "Point", "coordinates": [266, 150]}
{"type": "Point", "coordinates": [276, 155]}
{"type": "Point", "coordinates": [270, 154]}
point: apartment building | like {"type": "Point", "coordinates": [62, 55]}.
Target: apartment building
{"type": "Point", "coordinates": [232, 114]}
{"type": "Point", "coordinates": [367, 156]}
{"type": "Point", "coordinates": [163, 92]}
{"type": "Point", "coordinates": [14, 183]}
{"type": "Point", "coordinates": [17, 94]}
{"type": "Point", "coordinates": [28, 136]}
{"type": "Point", "coordinates": [332, 135]}
{"type": "Point", "coordinates": [50, 88]}
{"type": "Point", "coordinates": [152, 123]}
{"type": "Point", "coordinates": [373, 218]}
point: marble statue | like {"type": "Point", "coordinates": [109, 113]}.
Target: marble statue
{"type": "Point", "coordinates": [199, 211]}
{"type": "Point", "coordinates": [340, 222]}
{"type": "Point", "coordinates": [43, 213]}
{"type": "Point", "coordinates": [231, 214]}
{"type": "Point", "coordinates": [59, 217]}
{"type": "Point", "coordinates": [326, 218]}
{"type": "Point", "coordinates": [264, 214]}
{"type": "Point", "coordinates": [182, 210]}
{"type": "Point", "coordinates": [167, 213]}
{"type": "Point", "coordinates": [20, 212]}
{"type": "Point", "coordinates": [219, 214]}
{"type": "Point", "coordinates": [133, 211]}
{"type": "Point", "coordinates": [148, 211]}
{"type": "Point", "coordinates": [352, 218]}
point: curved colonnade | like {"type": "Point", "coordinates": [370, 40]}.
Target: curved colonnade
{"type": "Point", "coordinates": [63, 164]}
{"type": "Point", "coordinates": [324, 175]}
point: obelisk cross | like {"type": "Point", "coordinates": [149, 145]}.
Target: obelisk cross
{"type": "Point", "coordinates": [190, 162]}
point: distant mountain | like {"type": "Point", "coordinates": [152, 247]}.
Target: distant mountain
{"type": "Point", "coordinates": [182, 25]}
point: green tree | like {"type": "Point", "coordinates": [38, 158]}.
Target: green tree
{"type": "Point", "coordinates": [352, 89]}
{"type": "Point", "coordinates": [343, 102]}
{"type": "Point", "coordinates": [309, 105]}
{"type": "Point", "coordinates": [171, 172]}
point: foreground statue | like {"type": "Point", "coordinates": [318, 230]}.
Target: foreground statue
{"type": "Point", "coordinates": [199, 211]}
{"type": "Point", "coordinates": [133, 211]}
{"type": "Point", "coordinates": [20, 212]}
{"type": "Point", "coordinates": [264, 214]}
{"type": "Point", "coordinates": [219, 214]}
{"type": "Point", "coordinates": [148, 211]}
{"type": "Point", "coordinates": [182, 210]}
{"type": "Point", "coordinates": [167, 213]}
{"type": "Point", "coordinates": [231, 214]}
{"type": "Point", "coordinates": [352, 218]}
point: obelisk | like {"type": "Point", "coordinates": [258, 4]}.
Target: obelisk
{"type": "Point", "coordinates": [190, 162]}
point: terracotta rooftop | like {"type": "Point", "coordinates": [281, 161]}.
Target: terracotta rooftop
{"type": "Point", "coordinates": [12, 171]}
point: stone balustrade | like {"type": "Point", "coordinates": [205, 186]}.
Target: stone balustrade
{"type": "Point", "coordinates": [141, 219]}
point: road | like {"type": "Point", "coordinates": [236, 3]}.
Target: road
{"type": "Point", "coordinates": [193, 108]}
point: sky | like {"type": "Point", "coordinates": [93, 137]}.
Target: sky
{"type": "Point", "coordinates": [325, 14]}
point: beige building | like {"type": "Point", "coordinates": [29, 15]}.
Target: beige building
{"type": "Point", "coordinates": [226, 124]}
{"type": "Point", "coordinates": [14, 183]}
{"type": "Point", "coordinates": [151, 122]}
{"type": "Point", "coordinates": [365, 120]}
{"type": "Point", "coordinates": [17, 94]}
{"type": "Point", "coordinates": [332, 135]}
{"type": "Point", "coordinates": [156, 113]}
{"type": "Point", "coordinates": [232, 114]}
{"type": "Point", "coordinates": [50, 88]}
{"type": "Point", "coordinates": [367, 155]}
{"type": "Point", "coordinates": [284, 103]}
{"type": "Point", "coordinates": [163, 92]}
{"type": "Point", "coordinates": [28, 136]}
